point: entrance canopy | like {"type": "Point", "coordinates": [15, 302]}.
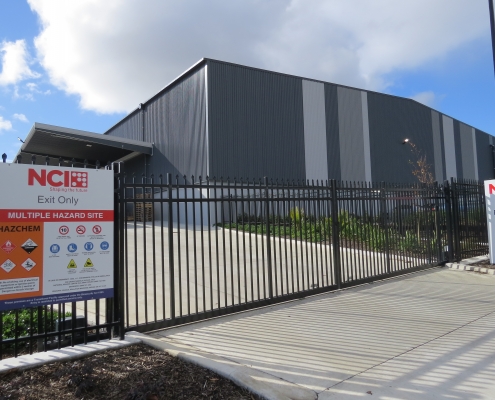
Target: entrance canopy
{"type": "Point", "coordinates": [57, 142]}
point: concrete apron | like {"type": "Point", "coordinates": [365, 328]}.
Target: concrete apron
{"type": "Point", "coordinates": [426, 335]}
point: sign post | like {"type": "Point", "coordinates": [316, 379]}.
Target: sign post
{"type": "Point", "coordinates": [490, 215]}
{"type": "Point", "coordinates": [56, 235]}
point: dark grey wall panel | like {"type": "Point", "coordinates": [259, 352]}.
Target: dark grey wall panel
{"type": "Point", "coordinates": [391, 120]}
{"type": "Point", "coordinates": [332, 126]}
{"type": "Point", "coordinates": [458, 151]}
{"type": "Point", "coordinates": [352, 166]}
{"type": "Point", "coordinates": [485, 161]}
{"type": "Point", "coordinates": [450, 148]}
{"type": "Point", "coordinates": [467, 151]}
{"type": "Point", "coordinates": [176, 122]}
{"type": "Point", "coordinates": [437, 146]}
{"type": "Point", "coordinates": [255, 122]}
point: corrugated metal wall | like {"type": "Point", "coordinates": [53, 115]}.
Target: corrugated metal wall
{"type": "Point", "coordinates": [484, 152]}
{"type": "Point", "coordinates": [256, 125]}
{"type": "Point", "coordinates": [129, 128]}
{"type": "Point", "coordinates": [175, 121]}
{"type": "Point", "coordinates": [391, 120]}
{"type": "Point", "coordinates": [315, 135]}
{"type": "Point", "coordinates": [332, 125]}
{"type": "Point", "coordinates": [262, 123]}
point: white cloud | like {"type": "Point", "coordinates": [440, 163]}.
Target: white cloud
{"type": "Point", "coordinates": [20, 117]}
{"type": "Point", "coordinates": [427, 98]}
{"type": "Point", "coordinates": [14, 58]}
{"type": "Point", "coordinates": [117, 53]}
{"type": "Point", "coordinates": [5, 125]}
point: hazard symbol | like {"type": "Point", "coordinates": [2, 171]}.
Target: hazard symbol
{"type": "Point", "coordinates": [97, 229]}
{"type": "Point", "coordinates": [88, 263]}
{"type": "Point", "coordinates": [7, 265]}
{"type": "Point", "coordinates": [72, 264]}
{"type": "Point", "coordinates": [29, 246]}
{"type": "Point", "coordinates": [28, 264]}
{"type": "Point", "coordinates": [8, 246]}
{"type": "Point", "coordinates": [63, 230]}
{"type": "Point", "coordinates": [80, 230]}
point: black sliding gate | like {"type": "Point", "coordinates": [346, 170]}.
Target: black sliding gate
{"type": "Point", "coordinates": [196, 248]}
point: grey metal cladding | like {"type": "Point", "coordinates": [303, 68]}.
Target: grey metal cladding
{"type": "Point", "coordinates": [485, 161]}
{"type": "Point", "coordinates": [256, 123]}
{"type": "Point", "coordinates": [315, 137]}
{"type": "Point", "coordinates": [129, 128]}
{"type": "Point", "coordinates": [450, 149]}
{"type": "Point", "coordinates": [351, 134]}
{"type": "Point", "coordinates": [391, 120]}
{"type": "Point", "coordinates": [176, 122]}
{"type": "Point", "coordinates": [332, 126]}
{"type": "Point", "coordinates": [437, 146]}
{"type": "Point", "coordinates": [458, 150]}
{"type": "Point", "coordinates": [467, 151]}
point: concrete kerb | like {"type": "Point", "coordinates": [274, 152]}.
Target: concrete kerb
{"type": "Point", "coordinates": [466, 265]}
{"type": "Point", "coordinates": [65, 354]}
{"type": "Point", "coordinates": [260, 383]}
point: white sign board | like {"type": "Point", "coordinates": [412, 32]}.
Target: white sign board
{"type": "Point", "coordinates": [490, 215]}
{"type": "Point", "coordinates": [56, 235]}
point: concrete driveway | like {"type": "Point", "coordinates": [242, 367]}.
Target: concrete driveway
{"type": "Point", "coordinates": [428, 335]}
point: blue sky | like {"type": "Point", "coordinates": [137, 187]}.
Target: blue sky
{"type": "Point", "coordinates": [86, 64]}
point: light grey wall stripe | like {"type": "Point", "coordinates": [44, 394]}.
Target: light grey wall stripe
{"type": "Point", "coordinates": [315, 133]}
{"type": "Point", "coordinates": [475, 154]}
{"type": "Point", "coordinates": [467, 153]}
{"type": "Point", "coordinates": [351, 138]}
{"type": "Point", "coordinates": [437, 146]}
{"type": "Point", "coordinates": [366, 136]}
{"type": "Point", "coordinates": [449, 143]}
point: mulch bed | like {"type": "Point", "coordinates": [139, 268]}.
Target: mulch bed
{"type": "Point", "coordinates": [137, 372]}
{"type": "Point", "coordinates": [484, 264]}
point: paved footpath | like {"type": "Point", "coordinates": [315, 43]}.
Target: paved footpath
{"type": "Point", "coordinates": [428, 335]}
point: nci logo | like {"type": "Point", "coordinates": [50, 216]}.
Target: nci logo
{"type": "Point", "coordinates": [57, 178]}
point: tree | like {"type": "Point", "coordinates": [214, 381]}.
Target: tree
{"type": "Point", "coordinates": [421, 169]}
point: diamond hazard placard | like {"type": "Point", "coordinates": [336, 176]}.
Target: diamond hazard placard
{"type": "Point", "coordinates": [29, 246]}
{"type": "Point", "coordinates": [7, 265]}
{"type": "Point", "coordinates": [28, 264]}
{"type": "Point", "coordinates": [8, 246]}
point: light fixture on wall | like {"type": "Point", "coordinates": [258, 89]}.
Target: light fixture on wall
{"type": "Point", "coordinates": [406, 140]}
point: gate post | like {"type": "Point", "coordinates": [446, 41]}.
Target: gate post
{"type": "Point", "coordinates": [335, 234]}
{"type": "Point", "coordinates": [384, 215]}
{"type": "Point", "coordinates": [268, 243]}
{"type": "Point", "coordinates": [448, 217]}
{"type": "Point", "coordinates": [437, 224]}
{"type": "Point", "coordinates": [171, 268]}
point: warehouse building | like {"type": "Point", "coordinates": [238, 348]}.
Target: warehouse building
{"type": "Point", "coordinates": [226, 120]}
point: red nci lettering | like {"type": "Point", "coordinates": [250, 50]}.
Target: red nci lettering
{"type": "Point", "coordinates": [50, 178]}
{"type": "Point", "coordinates": [33, 176]}
{"type": "Point", "coordinates": [491, 188]}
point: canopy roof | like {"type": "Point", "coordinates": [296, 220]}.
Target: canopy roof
{"type": "Point", "coordinates": [56, 142]}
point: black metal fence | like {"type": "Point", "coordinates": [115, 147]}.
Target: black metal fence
{"type": "Point", "coordinates": [193, 249]}
{"type": "Point", "coordinates": [24, 331]}
{"type": "Point", "coordinates": [198, 250]}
